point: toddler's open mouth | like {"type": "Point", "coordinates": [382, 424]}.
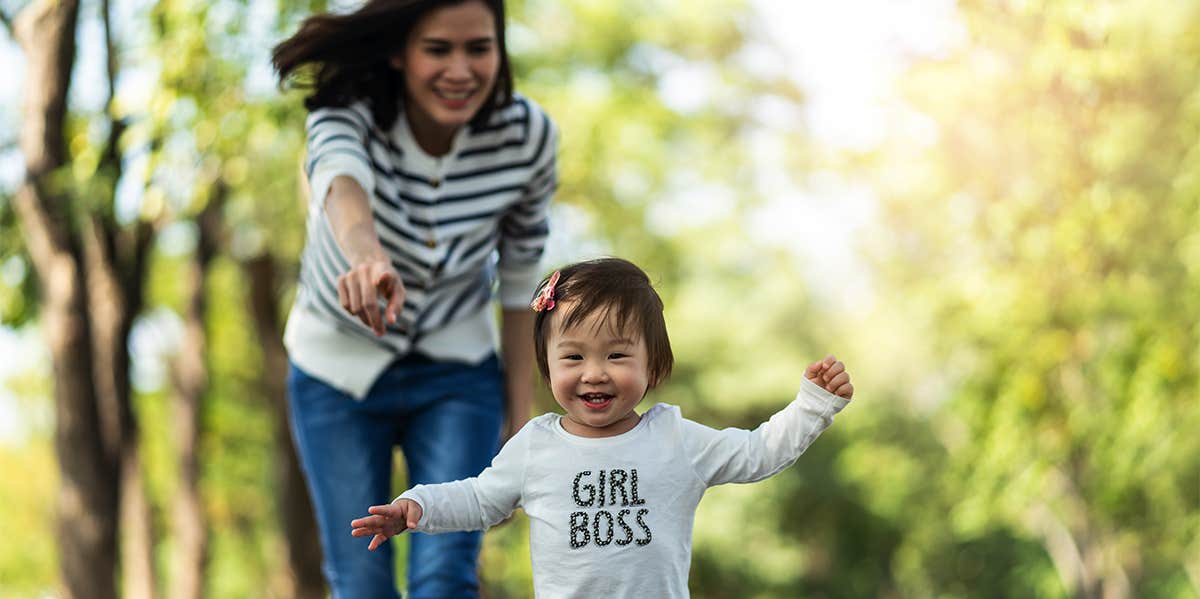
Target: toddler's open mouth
{"type": "Point", "coordinates": [596, 400]}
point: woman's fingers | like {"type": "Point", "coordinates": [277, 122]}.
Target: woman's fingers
{"type": "Point", "coordinates": [350, 292]}
{"type": "Point", "coordinates": [392, 290]}
{"type": "Point", "coordinates": [343, 293]}
{"type": "Point", "coordinates": [370, 306]}
{"type": "Point", "coordinates": [359, 290]}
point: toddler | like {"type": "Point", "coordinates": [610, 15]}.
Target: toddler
{"type": "Point", "coordinates": [611, 494]}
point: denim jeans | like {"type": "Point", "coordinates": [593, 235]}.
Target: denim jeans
{"type": "Point", "coordinates": [445, 417]}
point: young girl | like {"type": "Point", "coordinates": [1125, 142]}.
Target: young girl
{"type": "Point", "coordinates": [611, 494]}
{"type": "Point", "coordinates": [430, 180]}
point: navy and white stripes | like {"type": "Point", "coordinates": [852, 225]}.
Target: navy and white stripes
{"type": "Point", "coordinates": [451, 225]}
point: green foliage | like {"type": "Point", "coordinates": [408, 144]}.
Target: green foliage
{"type": "Point", "coordinates": [237, 444]}
{"type": "Point", "coordinates": [1055, 202]}
{"type": "Point", "coordinates": [28, 559]}
{"type": "Point", "coordinates": [597, 67]}
{"type": "Point", "coordinates": [17, 300]}
{"type": "Point", "coordinates": [1027, 381]}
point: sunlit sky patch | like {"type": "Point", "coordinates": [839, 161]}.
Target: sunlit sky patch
{"type": "Point", "coordinates": [846, 58]}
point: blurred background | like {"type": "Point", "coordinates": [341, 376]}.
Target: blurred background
{"type": "Point", "coordinates": [989, 209]}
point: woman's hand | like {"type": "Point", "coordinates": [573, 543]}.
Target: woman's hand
{"type": "Point", "coordinates": [386, 521]}
{"type": "Point", "coordinates": [371, 275]}
{"type": "Point", "coordinates": [360, 287]}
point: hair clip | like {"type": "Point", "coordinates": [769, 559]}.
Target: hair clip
{"type": "Point", "coordinates": [545, 299]}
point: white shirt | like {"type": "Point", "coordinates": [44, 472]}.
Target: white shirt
{"type": "Point", "coordinates": [612, 517]}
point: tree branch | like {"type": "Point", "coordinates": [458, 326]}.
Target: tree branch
{"type": "Point", "coordinates": [110, 54]}
{"type": "Point", "coordinates": [111, 159]}
{"type": "Point", "coordinates": [46, 32]}
{"type": "Point", "coordinates": [1060, 545]}
{"type": "Point", "coordinates": [7, 22]}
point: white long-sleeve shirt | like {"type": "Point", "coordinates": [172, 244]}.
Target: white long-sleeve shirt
{"type": "Point", "coordinates": [612, 516]}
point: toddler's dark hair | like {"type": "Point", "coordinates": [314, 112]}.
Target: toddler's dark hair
{"type": "Point", "coordinates": [621, 292]}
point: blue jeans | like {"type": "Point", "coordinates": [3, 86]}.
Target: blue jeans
{"type": "Point", "coordinates": [445, 417]}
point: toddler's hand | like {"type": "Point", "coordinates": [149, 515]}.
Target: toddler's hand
{"type": "Point", "coordinates": [832, 376]}
{"type": "Point", "coordinates": [387, 521]}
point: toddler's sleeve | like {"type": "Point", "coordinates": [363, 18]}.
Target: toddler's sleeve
{"type": "Point", "coordinates": [476, 503]}
{"type": "Point", "coordinates": [736, 455]}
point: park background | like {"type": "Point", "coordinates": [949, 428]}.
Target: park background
{"type": "Point", "coordinates": [990, 209]}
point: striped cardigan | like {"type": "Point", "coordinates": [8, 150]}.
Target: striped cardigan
{"type": "Point", "coordinates": [452, 225]}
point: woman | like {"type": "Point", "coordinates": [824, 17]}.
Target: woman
{"type": "Point", "coordinates": [430, 179]}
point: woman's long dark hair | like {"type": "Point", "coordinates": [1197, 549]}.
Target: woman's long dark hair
{"type": "Point", "coordinates": [344, 58]}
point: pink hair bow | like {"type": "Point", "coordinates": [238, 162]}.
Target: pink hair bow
{"type": "Point", "coordinates": [545, 299]}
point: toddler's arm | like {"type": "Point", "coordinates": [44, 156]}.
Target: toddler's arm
{"type": "Point", "coordinates": [475, 503]}
{"type": "Point", "coordinates": [741, 456]}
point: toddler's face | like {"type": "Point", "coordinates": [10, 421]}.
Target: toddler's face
{"type": "Point", "coordinates": [597, 375]}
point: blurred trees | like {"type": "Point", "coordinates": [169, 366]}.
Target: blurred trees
{"type": "Point", "coordinates": [1027, 376]}
{"type": "Point", "coordinates": [120, 203]}
{"type": "Point", "coordinates": [86, 308]}
{"type": "Point", "coordinates": [1045, 240]}
{"type": "Point", "coordinates": [194, 159]}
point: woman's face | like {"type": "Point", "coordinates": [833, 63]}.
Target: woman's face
{"type": "Point", "coordinates": [450, 64]}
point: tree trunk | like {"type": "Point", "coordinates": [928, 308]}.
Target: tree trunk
{"type": "Point", "coordinates": [137, 541]}
{"type": "Point", "coordinates": [113, 302]}
{"type": "Point", "coordinates": [115, 261]}
{"type": "Point", "coordinates": [303, 579]}
{"type": "Point", "coordinates": [191, 378]}
{"type": "Point", "coordinates": [86, 507]}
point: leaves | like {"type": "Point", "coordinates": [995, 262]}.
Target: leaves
{"type": "Point", "coordinates": [1057, 169]}
{"type": "Point", "coordinates": [1029, 371]}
